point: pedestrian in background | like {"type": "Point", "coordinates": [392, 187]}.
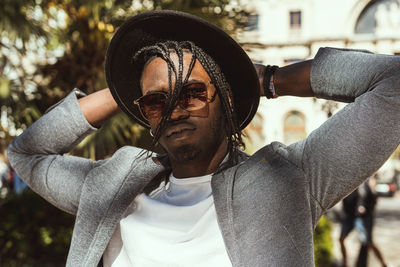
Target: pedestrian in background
{"type": "Point", "coordinates": [349, 205]}
{"type": "Point", "coordinates": [364, 222]}
{"type": "Point", "coordinates": [358, 211]}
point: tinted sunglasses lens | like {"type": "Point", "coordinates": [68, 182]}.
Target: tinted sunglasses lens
{"type": "Point", "coordinates": [152, 105]}
{"type": "Point", "coordinates": [193, 96]}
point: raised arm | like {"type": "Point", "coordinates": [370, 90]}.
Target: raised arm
{"type": "Point", "coordinates": [38, 154]}
{"type": "Point", "coordinates": [355, 142]}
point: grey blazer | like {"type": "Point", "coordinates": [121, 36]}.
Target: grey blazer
{"type": "Point", "coordinates": [268, 205]}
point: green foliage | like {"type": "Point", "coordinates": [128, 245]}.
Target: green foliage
{"type": "Point", "coordinates": [5, 139]}
{"type": "Point", "coordinates": [16, 23]}
{"type": "Point", "coordinates": [33, 232]}
{"type": "Point", "coordinates": [323, 243]}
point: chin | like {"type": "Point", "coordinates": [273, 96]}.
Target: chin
{"type": "Point", "coordinates": [185, 153]}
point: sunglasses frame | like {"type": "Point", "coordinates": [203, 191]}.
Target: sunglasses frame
{"type": "Point", "coordinates": [208, 100]}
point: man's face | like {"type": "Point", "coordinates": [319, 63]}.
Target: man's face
{"type": "Point", "coordinates": [188, 135]}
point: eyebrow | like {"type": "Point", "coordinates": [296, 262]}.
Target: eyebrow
{"type": "Point", "coordinates": [190, 81]}
{"type": "Point", "coordinates": [155, 91]}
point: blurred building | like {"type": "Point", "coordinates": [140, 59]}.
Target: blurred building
{"type": "Point", "coordinates": [283, 32]}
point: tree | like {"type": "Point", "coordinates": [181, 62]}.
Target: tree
{"type": "Point", "coordinates": [323, 244]}
{"type": "Point", "coordinates": [32, 232]}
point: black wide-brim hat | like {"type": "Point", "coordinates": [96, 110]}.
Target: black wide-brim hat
{"type": "Point", "coordinates": [151, 27]}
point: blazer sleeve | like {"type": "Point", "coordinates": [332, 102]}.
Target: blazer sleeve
{"type": "Point", "coordinates": [37, 155]}
{"type": "Point", "coordinates": [355, 142]}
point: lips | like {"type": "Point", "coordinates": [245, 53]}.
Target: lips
{"type": "Point", "coordinates": [179, 130]}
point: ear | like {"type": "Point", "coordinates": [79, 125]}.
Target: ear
{"type": "Point", "coordinates": [230, 99]}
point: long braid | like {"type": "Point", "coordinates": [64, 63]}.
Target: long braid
{"type": "Point", "coordinates": [164, 50]}
{"type": "Point", "coordinates": [233, 134]}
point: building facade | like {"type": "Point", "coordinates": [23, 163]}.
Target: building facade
{"type": "Point", "coordinates": [286, 31]}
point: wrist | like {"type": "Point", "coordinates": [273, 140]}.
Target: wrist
{"type": "Point", "coordinates": [269, 84]}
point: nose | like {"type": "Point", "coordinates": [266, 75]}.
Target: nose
{"type": "Point", "coordinates": [179, 113]}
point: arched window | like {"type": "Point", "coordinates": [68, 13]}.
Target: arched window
{"type": "Point", "coordinates": [294, 127]}
{"type": "Point", "coordinates": [380, 17]}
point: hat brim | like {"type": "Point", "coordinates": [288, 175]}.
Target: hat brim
{"type": "Point", "coordinates": [156, 26]}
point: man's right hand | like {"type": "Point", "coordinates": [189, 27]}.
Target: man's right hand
{"type": "Point", "coordinates": [99, 107]}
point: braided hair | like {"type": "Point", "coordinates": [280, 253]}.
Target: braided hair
{"type": "Point", "coordinates": [164, 50]}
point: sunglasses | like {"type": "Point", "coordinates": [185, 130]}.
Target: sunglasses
{"type": "Point", "coordinates": [192, 97]}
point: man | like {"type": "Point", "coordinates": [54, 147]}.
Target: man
{"type": "Point", "coordinates": [347, 222]}
{"type": "Point", "coordinates": [358, 208]}
{"type": "Point", "coordinates": [365, 222]}
{"type": "Point", "coordinates": [206, 203]}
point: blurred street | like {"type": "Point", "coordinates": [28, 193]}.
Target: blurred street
{"type": "Point", "coordinates": [386, 234]}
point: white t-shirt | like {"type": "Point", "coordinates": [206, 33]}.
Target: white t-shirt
{"type": "Point", "coordinates": [175, 226]}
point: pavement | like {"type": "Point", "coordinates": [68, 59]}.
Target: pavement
{"type": "Point", "coordinates": [386, 234]}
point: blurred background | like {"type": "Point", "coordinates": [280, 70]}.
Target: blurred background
{"type": "Point", "coordinates": [49, 47]}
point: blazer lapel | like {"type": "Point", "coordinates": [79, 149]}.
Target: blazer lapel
{"type": "Point", "coordinates": [106, 194]}
{"type": "Point", "coordinates": [222, 185]}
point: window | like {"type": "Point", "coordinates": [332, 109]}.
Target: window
{"type": "Point", "coordinates": [252, 22]}
{"type": "Point", "coordinates": [379, 17]}
{"type": "Point", "coordinates": [295, 19]}
{"type": "Point", "coordinates": [294, 127]}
